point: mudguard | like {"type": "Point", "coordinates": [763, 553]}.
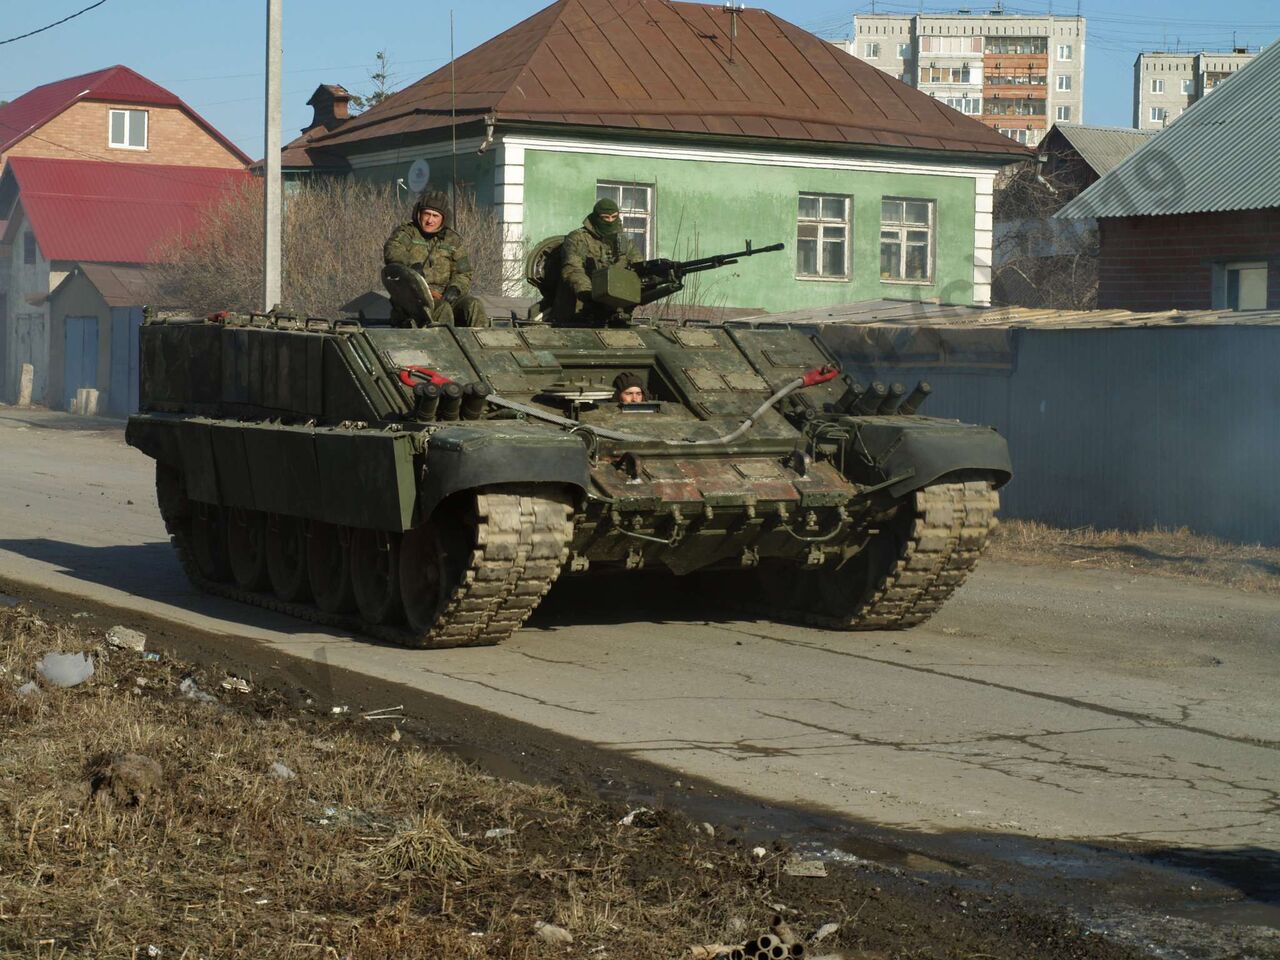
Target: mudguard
{"type": "Point", "coordinates": [465, 457]}
{"type": "Point", "coordinates": [917, 451]}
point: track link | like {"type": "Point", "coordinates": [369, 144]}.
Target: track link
{"type": "Point", "coordinates": [950, 529]}
{"type": "Point", "coordinates": [522, 541]}
{"type": "Point", "coordinates": [936, 547]}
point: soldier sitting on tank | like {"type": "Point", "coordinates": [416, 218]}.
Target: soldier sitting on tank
{"type": "Point", "coordinates": [599, 242]}
{"type": "Point", "coordinates": [428, 272]}
{"type": "Point", "coordinates": [628, 388]}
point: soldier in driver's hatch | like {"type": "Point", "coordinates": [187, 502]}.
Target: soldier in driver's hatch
{"type": "Point", "coordinates": [429, 245]}
{"type": "Point", "coordinates": [599, 242]}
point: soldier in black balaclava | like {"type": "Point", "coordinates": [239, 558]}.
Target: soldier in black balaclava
{"type": "Point", "coordinates": [599, 242]}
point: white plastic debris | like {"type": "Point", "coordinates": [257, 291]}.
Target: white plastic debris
{"type": "Point", "coordinates": [340, 709]}
{"type": "Point", "coordinates": [236, 684]}
{"type": "Point", "coordinates": [630, 818]}
{"type": "Point", "coordinates": [824, 931]}
{"type": "Point", "coordinates": [189, 690]}
{"type": "Point", "coordinates": [281, 772]}
{"type": "Point", "coordinates": [65, 669]}
{"type": "Point", "coordinates": [759, 852]}
{"type": "Point", "coordinates": [497, 832]}
{"type": "Point", "coordinates": [28, 688]}
{"type": "Point", "coordinates": [708, 829]}
{"type": "Point", "coordinates": [550, 933]}
{"type": "Point", "coordinates": [123, 638]}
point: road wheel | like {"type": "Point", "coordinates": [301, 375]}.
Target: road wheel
{"type": "Point", "coordinates": [329, 567]}
{"type": "Point", "coordinates": [247, 548]}
{"type": "Point", "coordinates": [287, 557]}
{"type": "Point", "coordinates": [433, 561]}
{"type": "Point", "coordinates": [209, 541]}
{"type": "Point", "coordinates": [375, 575]}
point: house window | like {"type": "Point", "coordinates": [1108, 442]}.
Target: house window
{"type": "Point", "coordinates": [1020, 134]}
{"type": "Point", "coordinates": [1064, 51]}
{"type": "Point", "coordinates": [906, 239]}
{"type": "Point", "coordinates": [969, 105]}
{"type": "Point", "coordinates": [871, 51]}
{"type": "Point", "coordinates": [1240, 286]}
{"type": "Point", "coordinates": [822, 236]}
{"type": "Point", "coordinates": [1157, 86]}
{"type": "Point", "coordinates": [30, 252]}
{"type": "Point", "coordinates": [128, 129]}
{"type": "Point", "coordinates": [1188, 88]}
{"type": "Point", "coordinates": [1159, 114]}
{"type": "Point", "coordinates": [1064, 81]}
{"type": "Point", "coordinates": [1064, 114]}
{"type": "Point", "coordinates": [635, 201]}
{"type": "Point", "coordinates": [904, 51]}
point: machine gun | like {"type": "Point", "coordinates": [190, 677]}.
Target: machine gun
{"type": "Point", "coordinates": [626, 287]}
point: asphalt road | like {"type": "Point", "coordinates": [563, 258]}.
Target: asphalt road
{"type": "Point", "coordinates": [1043, 701]}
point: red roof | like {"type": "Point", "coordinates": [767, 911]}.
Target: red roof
{"type": "Point", "coordinates": [109, 212]}
{"type": "Point", "coordinates": [665, 67]}
{"type": "Point", "coordinates": [116, 84]}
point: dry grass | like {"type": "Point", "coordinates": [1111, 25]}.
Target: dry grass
{"type": "Point", "coordinates": [1173, 553]}
{"type": "Point", "coordinates": [375, 849]}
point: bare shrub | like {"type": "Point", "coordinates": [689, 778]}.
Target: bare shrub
{"type": "Point", "coordinates": [1039, 261]}
{"type": "Point", "coordinates": [332, 237]}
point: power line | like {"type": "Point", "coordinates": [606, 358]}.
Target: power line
{"type": "Point", "coordinates": [55, 23]}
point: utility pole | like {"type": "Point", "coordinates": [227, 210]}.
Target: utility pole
{"type": "Point", "coordinates": [271, 163]}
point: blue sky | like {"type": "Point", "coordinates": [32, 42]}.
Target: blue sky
{"type": "Point", "coordinates": [211, 53]}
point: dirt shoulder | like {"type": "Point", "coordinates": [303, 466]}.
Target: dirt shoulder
{"type": "Point", "coordinates": [1168, 553]}
{"type": "Point", "coordinates": [158, 810]}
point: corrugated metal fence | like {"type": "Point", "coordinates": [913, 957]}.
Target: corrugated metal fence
{"type": "Point", "coordinates": [1126, 427]}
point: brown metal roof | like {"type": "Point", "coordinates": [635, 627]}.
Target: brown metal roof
{"type": "Point", "coordinates": [665, 66]}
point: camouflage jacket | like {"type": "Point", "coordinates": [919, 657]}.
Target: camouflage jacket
{"type": "Point", "coordinates": [441, 259]}
{"type": "Point", "coordinates": [581, 254]}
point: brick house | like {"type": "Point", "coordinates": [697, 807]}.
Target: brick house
{"type": "Point", "coordinates": [1191, 220]}
{"type": "Point", "coordinates": [96, 168]}
{"type": "Point", "coordinates": [708, 125]}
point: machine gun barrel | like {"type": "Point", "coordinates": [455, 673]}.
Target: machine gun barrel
{"type": "Point", "coordinates": [663, 270]}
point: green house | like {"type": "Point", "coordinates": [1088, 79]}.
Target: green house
{"type": "Point", "coordinates": [709, 126]}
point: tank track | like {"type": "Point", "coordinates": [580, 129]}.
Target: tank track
{"type": "Point", "coordinates": [948, 530]}
{"type": "Point", "coordinates": [522, 541]}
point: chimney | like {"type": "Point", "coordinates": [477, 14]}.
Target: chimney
{"type": "Point", "coordinates": [330, 105]}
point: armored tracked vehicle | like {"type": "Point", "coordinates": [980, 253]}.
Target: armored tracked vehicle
{"type": "Point", "coordinates": [428, 485]}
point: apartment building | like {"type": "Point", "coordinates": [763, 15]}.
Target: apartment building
{"type": "Point", "coordinates": [1019, 75]}
{"type": "Point", "coordinates": [1165, 84]}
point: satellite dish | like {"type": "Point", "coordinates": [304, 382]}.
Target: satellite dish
{"type": "Point", "coordinates": [419, 175]}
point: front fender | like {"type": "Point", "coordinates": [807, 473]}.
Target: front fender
{"type": "Point", "coordinates": [921, 450]}
{"type": "Point", "coordinates": [466, 457]}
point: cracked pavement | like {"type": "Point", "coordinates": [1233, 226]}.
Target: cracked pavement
{"type": "Point", "coordinates": [1045, 701]}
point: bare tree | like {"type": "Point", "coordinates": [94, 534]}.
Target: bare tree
{"type": "Point", "coordinates": [380, 77]}
{"type": "Point", "coordinates": [1039, 261]}
{"type": "Point", "coordinates": [332, 248]}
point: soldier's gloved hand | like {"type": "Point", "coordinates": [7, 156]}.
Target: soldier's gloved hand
{"type": "Point", "coordinates": [451, 293]}
{"type": "Point", "coordinates": [583, 294]}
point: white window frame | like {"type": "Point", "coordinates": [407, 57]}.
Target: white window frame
{"type": "Point", "coordinates": [1157, 85]}
{"type": "Point", "coordinates": [822, 224]}
{"type": "Point", "coordinates": [613, 190]}
{"type": "Point", "coordinates": [129, 119]}
{"type": "Point", "coordinates": [1064, 81]}
{"type": "Point", "coordinates": [1064, 113]}
{"type": "Point", "coordinates": [1221, 281]}
{"type": "Point", "coordinates": [1017, 134]}
{"type": "Point", "coordinates": [963, 104]}
{"type": "Point", "coordinates": [1065, 52]}
{"type": "Point", "coordinates": [901, 227]}
{"type": "Point", "coordinates": [1188, 86]}
{"type": "Point", "coordinates": [904, 51]}
{"type": "Point", "coordinates": [1159, 115]}
{"type": "Point", "coordinates": [871, 50]}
